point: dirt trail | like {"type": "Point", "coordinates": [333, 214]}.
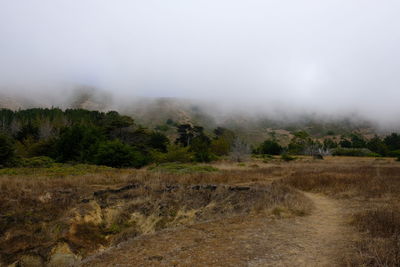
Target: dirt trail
{"type": "Point", "coordinates": [320, 239]}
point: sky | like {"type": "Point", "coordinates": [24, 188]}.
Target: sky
{"type": "Point", "coordinates": [330, 56]}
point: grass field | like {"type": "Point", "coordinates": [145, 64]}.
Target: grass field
{"type": "Point", "coordinates": [82, 209]}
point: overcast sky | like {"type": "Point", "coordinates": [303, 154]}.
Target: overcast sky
{"type": "Point", "coordinates": [330, 55]}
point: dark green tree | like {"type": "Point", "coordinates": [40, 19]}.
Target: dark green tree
{"type": "Point", "coordinates": [200, 146]}
{"type": "Point", "coordinates": [392, 141]}
{"type": "Point", "coordinates": [357, 141]}
{"type": "Point", "coordinates": [270, 147]}
{"type": "Point", "coordinates": [329, 143]}
{"type": "Point", "coordinates": [114, 123]}
{"type": "Point", "coordinates": [158, 141]}
{"type": "Point", "coordinates": [300, 142]}
{"type": "Point", "coordinates": [6, 150]}
{"type": "Point", "coordinates": [222, 142]}
{"type": "Point", "coordinates": [28, 130]}
{"type": "Point", "coordinates": [378, 146]}
{"type": "Point", "coordinates": [186, 133]}
{"type": "Point", "coordinates": [345, 143]}
{"type": "Point", "coordinates": [78, 143]}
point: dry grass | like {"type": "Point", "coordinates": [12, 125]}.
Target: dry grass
{"type": "Point", "coordinates": [90, 211]}
{"type": "Point", "coordinates": [39, 210]}
{"type": "Point", "coordinates": [372, 189]}
{"type": "Point", "coordinates": [380, 244]}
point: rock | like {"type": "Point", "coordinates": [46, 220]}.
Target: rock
{"type": "Point", "coordinates": [45, 198]}
{"type": "Point", "coordinates": [61, 255]}
{"type": "Point", "coordinates": [89, 212]}
{"type": "Point", "coordinates": [239, 188]}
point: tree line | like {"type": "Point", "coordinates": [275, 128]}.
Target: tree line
{"type": "Point", "coordinates": [103, 138]}
{"type": "Point", "coordinates": [352, 144]}
{"type": "Point", "coordinates": [41, 135]}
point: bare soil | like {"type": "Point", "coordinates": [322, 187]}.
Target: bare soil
{"type": "Point", "coordinates": [320, 239]}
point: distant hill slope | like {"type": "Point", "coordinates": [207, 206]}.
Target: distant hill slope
{"type": "Point", "coordinates": [164, 113]}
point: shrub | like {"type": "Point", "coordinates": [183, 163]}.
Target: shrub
{"type": "Point", "coordinates": [270, 147]}
{"type": "Point", "coordinates": [116, 154]}
{"type": "Point", "coordinates": [287, 157]}
{"type": "Point", "coordinates": [175, 153]}
{"type": "Point", "coordinates": [267, 156]}
{"type": "Point", "coordinates": [394, 153]}
{"type": "Point", "coordinates": [353, 152]}
{"type": "Point", "coordinates": [78, 143]}
{"type": "Point", "coordinates": [220, 146]}
{"type": "Point", "coordinates": [37, 162]}
{"type": "Point", "coordinates": [44, 148]}
{"type": "Point", "coordinates": [200, 147]}
{"type": "Point", "coordinates": [158, 141]}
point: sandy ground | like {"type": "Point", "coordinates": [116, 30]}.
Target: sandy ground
{"type": "Point", "coordinates": [320, 239]}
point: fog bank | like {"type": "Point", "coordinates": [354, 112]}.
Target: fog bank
{"type": "Point", "coordinates": [329, 57]}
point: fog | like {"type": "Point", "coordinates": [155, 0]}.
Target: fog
{"type": "Point", "coordinates": [328, 57]}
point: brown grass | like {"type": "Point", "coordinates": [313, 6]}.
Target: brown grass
{"type": "Point", "coordinates": [39, 211]}
{"type": "Point", "coordinates": [94, 210]}
{"type": "Point", "coordinates": [373, 193]}
{"type": "Point", "coordinates": [380, 245]}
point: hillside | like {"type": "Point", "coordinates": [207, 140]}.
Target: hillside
{"type": "Point", "coordinates": [163, 113]}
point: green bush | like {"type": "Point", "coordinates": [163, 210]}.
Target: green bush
{"type": "Point", "coordinates": [373, 154]}
{"type": "Point", "coordinates": [158, 141]}
{"type": "Point", "coordinates": [394, 153]}
{"type": "Point", "coordinates": [287, 157]}
{"type": "Point", "coordinates": [44, 148]}
{"type": "Point", "coordinates": [220, 146]}
{"type": "Point", "coordinates": [174, 153]}
{"type": "Point", "coordinates": [270, 147]}
{"type": "Point", "coordinates": [78, 143]}
{"type": "Point", "coordinates": [37, 162]}
{"type": "Point", "coordinates": [116, 154]}
{"type": "Point", "coordinates": [200, 146]}
{"type": "Point", "coordinates": [353, 152]}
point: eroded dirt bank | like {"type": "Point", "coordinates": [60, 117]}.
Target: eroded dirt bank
{"type": "Point", "coordinates": [320, 239]}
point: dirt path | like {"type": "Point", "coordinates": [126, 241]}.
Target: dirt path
{"type": "Point", "coordinates": [320, 239]}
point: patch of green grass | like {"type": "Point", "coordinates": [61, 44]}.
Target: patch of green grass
{"type": "Point", "coordinates": [37, 162]}
{"type": "Point", "coordinates": [183, 168]}
{"type": "Point", "coordinates": [56, 169]}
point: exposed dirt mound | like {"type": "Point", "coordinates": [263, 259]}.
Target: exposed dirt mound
{"type": "Point", "coordinates": [110, 216]}
{"type": "Point", "coordinates": [321, 239]}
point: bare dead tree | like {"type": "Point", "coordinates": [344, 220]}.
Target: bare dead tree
{"type": "Point", "coordinates": [45, 130]}
{"type": "Point", "coordinates": [240, 150]}
{"type": "Point", "coordinates": [15, 126]}
{"type": "Point", "coordinates": [317, 151]}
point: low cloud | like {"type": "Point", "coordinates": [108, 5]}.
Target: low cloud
{"type": "Point", "coordinates": [330, 57]}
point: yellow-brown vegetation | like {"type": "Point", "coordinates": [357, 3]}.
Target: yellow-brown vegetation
{"type": "Point", "coordinates": [90, 211]}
